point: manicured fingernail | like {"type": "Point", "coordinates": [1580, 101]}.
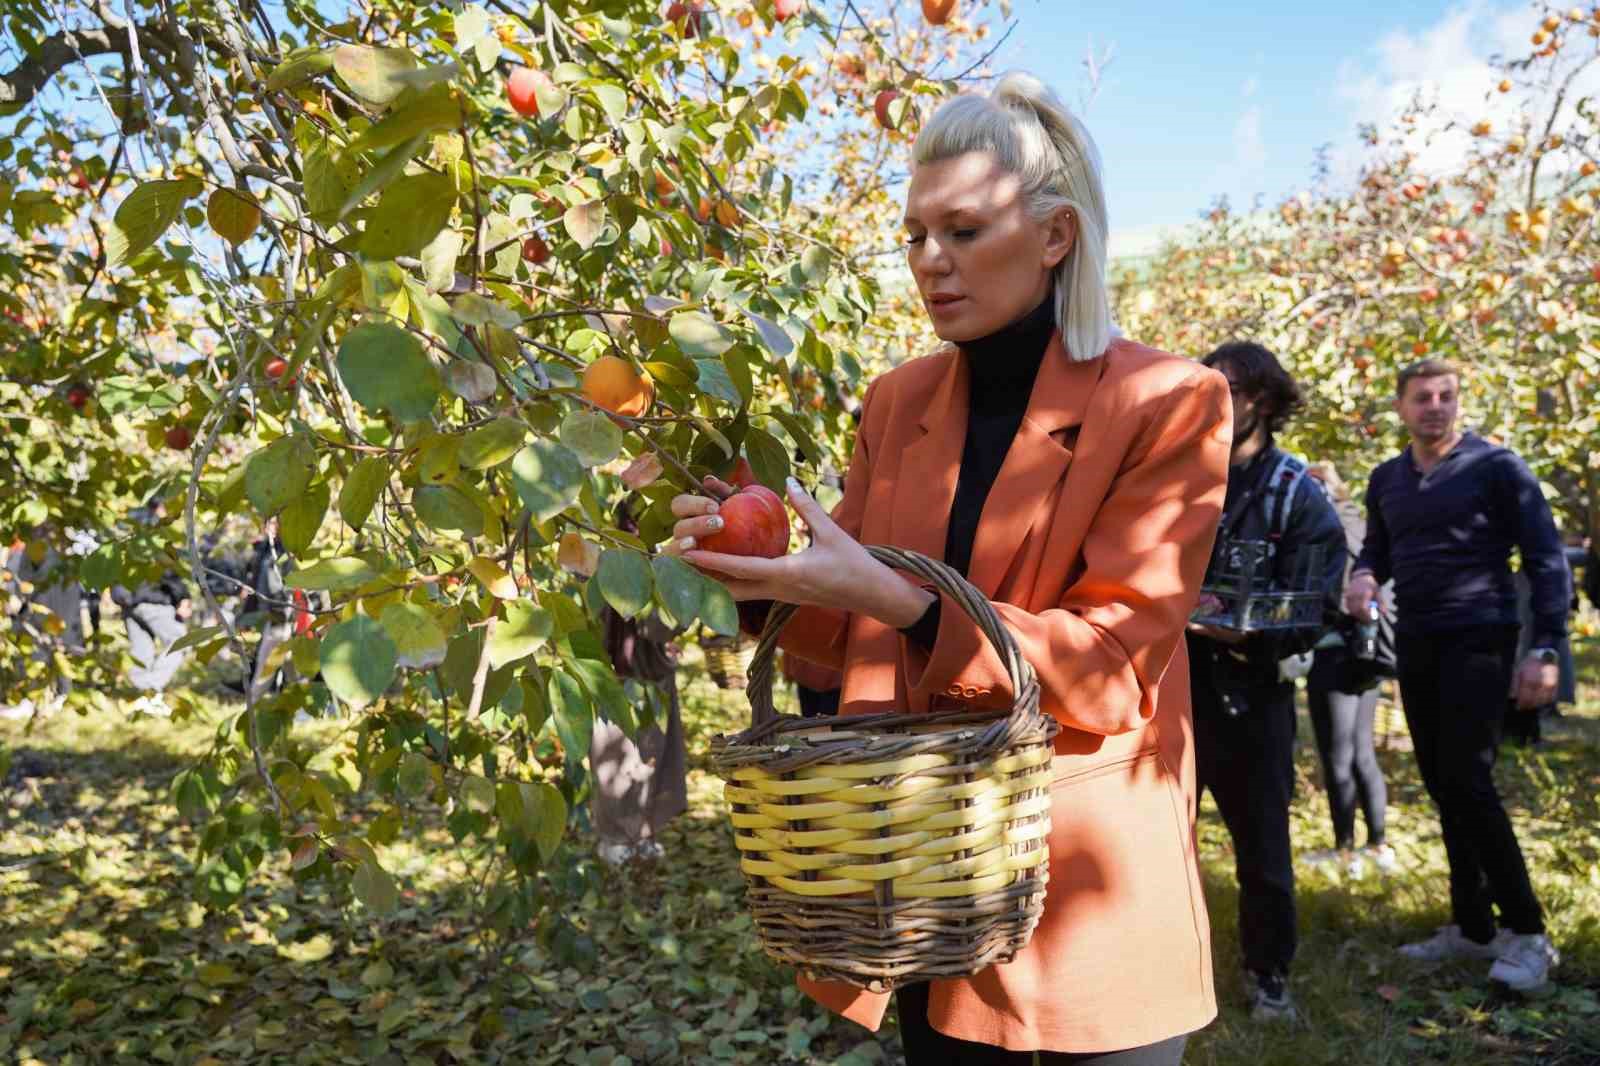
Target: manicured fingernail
{"type": "Point", "coordinates": [714, 523]}
{"type": "Point", "coordinates": [686, 544]}
{"type": "Point", "coordinates": [712, 508]}
{"type": "Point", "coordinates": [794, 485]}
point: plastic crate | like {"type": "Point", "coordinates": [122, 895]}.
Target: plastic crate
{"type": "Point", "coordinates": [1238, 593]}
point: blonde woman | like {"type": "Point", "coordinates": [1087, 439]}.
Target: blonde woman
{"type": "Point", "coordinates": [1076, 479]}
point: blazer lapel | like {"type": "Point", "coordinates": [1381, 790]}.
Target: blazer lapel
{"type": "Point", "coordinates": [929, 466]}
{"type": "Point", "coordinates": [1036, 462]}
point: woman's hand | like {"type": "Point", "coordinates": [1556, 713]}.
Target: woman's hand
{"type": "Point", "coordinates": [834, 571]}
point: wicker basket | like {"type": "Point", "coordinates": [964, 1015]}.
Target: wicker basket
{"type": "Point", "coordinates": [886, 849]}
{"type": "Point", "coordinates": [728, 660]}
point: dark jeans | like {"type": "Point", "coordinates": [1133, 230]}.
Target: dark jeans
{"type": "Point", "coordinates": [1342, 722]}
{"type": "Point", "coordinates": [1454, 687]}
{"type": "Point", "coordinates": [1247, 761]}
{"type": "Point", "coordinates": [926, 1046]}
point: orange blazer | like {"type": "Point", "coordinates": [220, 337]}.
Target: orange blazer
{"type": "Point", "coordinates": [1092, 545]}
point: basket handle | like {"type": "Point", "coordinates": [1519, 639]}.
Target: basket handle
{"type": "Point", "coordinates": [945, 579]}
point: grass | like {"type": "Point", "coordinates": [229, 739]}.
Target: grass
{"type": "Point", "coordinates": [106, 959]}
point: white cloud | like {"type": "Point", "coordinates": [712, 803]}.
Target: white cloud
{"type": "Point", "coordinates": [1248, 89]}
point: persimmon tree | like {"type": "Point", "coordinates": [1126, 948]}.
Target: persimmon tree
{"type": "Point", "coordinates": [459, 296]}
{"type": "Point", "coordinates": [1464, 236]}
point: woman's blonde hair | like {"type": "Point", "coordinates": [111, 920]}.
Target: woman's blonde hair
{"type": "Point", "coordinates": [1027, 128]}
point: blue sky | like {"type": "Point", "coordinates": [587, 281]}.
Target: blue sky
{"type": "Point", "coordinates": [1208, 98]}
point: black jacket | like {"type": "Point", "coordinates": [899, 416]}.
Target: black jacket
{"type": "Point", "coordinates": [1311, 521]}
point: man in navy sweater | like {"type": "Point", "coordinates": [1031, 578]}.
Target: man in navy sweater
{"type": "Point", "coordinates": [1442, 518]}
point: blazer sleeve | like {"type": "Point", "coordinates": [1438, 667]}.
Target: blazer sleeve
{"type": "Point", "coordinates": [1101, 653]}
{"type": "Point", "coordinates": [817, 634]}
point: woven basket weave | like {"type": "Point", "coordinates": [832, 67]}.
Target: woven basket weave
{"type": "Point", "coordinates": [886, 849]}
{"type": "Point", "coordinates": [728, 660]}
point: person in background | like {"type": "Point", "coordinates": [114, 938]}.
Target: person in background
{"type": "Point", "coordinates": [1442, 519]}
{"type": "Point", "coordinates": [156, 615]}
{"type": "Point", "coordinates": [1244, 717]}
{"type": "Point", "coordinates": [640, 784]}
{"type": "Point", "coordinates": [1343, 699]}
{"type": "Point", "coordinates": [1524, 727]}
{"type": "Point", "coordinates": [268, 602]}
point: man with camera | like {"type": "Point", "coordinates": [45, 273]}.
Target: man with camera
{"type": "Point", "coordinates": [1442, 519]}
{"type": "Point", "coordinates": [1242, 675]}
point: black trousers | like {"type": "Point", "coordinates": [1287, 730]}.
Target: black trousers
{"type": "Point", "coordinates": [1454, 686]}
{"type": "Point", "coordinates": [926, 1046]}
{"type": "Point", "coordinates": [1247, 761]}
{"type": "Point", "coordinates": [1343, 722]}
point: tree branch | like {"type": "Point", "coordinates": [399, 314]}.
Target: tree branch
{"type": "Point", "coordinates": [22, 83]}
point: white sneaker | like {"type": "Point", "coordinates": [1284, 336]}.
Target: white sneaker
{"type": "Point", "coordinates": [1384, 858]}
{"type": "Point", "coordinates": [1355, 868]}
{"type": "Point", "coordinates": [649, 850]}
{"type": "Point", "coordinates": [614, 853]}
{"type": "Point", "coordinates": [1525, 961]}
{"type": "Point", "coordinates": [1449, 943]}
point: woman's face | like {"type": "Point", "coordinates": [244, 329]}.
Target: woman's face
{"type": "Point", "coordinates": [979, 260]}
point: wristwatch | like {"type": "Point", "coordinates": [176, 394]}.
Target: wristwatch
{"type": "Point", "coordinates": [1548, 656]}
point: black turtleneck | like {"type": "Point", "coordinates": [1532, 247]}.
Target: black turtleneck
{"type": "Point", "coordinates": [1001, 369]}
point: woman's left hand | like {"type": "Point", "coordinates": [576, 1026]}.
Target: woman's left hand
{"type": "Point", "coordinates": [834, 571]}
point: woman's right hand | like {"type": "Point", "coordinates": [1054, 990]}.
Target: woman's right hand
{"type": "Point", "coordinates": [697, 517]}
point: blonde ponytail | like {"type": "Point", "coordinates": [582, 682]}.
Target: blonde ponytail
{"type": "Point", "coordinates": [1033, 135]}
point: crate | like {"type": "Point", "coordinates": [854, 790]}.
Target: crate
{"type": "Point", "coordinates": [1238, 595]}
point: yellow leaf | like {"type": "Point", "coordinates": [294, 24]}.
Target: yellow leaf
{"type": "Point", "coordinates": [578, 555]}
{"type": "Point", "coordinates": [493, 577]}
{"type": "Point", "coordinates": [233, 214]}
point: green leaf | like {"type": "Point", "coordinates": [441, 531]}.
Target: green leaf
{"type": "Point", "coordinates": [814, 262]}
{"type": "Point", "coordinates": [418, 640]}
{"type": "Point", "coordinates": [276, 475]}
{"type": "Point", "coordinates": [196, 637]}
{"type": "Point", "coordinates": [547, 810]}
{"type": "Point", "coordinates": [592, 436]}
{"type": "Point", "coordinates": [330, 575]}
{"type": "Point", "coordinates": [613, 100]}
{"type": "Point", "coordinates": [801, 435]}
{"type": "Point", "coordinates": [717, 609]}
{"type": "Point", "coordinates": [573, 714]}
{"type": "Point", "coordinates": [584, 222]}
{"type": "Point", "coordinates": [625, 580]}
{"type": "Point", "coordinates": [409, 215]}
{"type": "Point", "coordinates": [698, 336]}
{"type": "Point", "coordinates": [300, 521]}
{"type": "Point", "coordinates": [391, 166]}
{"type": "Point", "coordinates": [547, 477]}
{"type": "Point", "coordinates": [471, 309]}
{"type": "Point", "coordinates": [302, 64]}
{"type": "Point", "coordinates": [768, 458]}
{"type": "Point", "coordinates": [329, 179]}
{"type": "Point", "coordinates": [777, 341]}
{"type": "Point", "coordinates": [519, 634]}
{"type": "Point", "coordinates": [373, 73]}
{"type": "Point", "coordinates": [385, 369]}
{"type": "Point", "coordinates": [715, 382]}
{"type": "Point", "coordinates": [446, 507]}
{"type": "Point", "coordinates": [362, 488]}
{"type": "Point", "coordinates": [144, 215]}
{"type": "Point", "coordinates": [437, 107]}
{"type": "Point", "coordinates": [492, 444]}
{"type": "Point", "coordinates": [439, 260]}
{"type": "Point", "coordinates": [374, 887]}
{"type": "Point", "coordinates": [678, 587]}
{"type": "Point", "coordinates": [477, 794]}
{"type": "Point", "coordinates": [358, 660]}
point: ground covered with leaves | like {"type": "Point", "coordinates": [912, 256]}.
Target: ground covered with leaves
{"type": "Point", "coordinates": [106, 958]}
